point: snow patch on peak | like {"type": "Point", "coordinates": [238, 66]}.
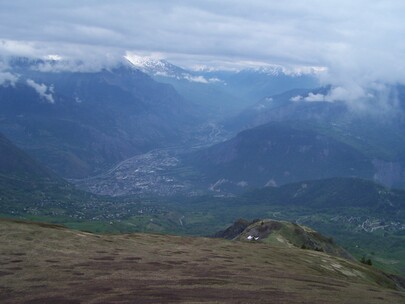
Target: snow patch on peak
{"type": "Point", "coordinates": [272, 70]}
{"type": "Point", "coordinates": [156, 66]}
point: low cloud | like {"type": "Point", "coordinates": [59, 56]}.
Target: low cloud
{"type": "Point", "coordinates": [338, 94]}
{"type": "Point", "coordinates": [201, 79]}
{"type": "Point", "coordinates": [93, 64]}
{"type": "Point", "coordinates": [296, 98]}
{"type": "Point", "coordinates": [43, 90]}
{"type": "Point", "coordinates": [7, 78]}
{"type": "Point", "coordinates": [315, 97]}
{"type": "Point", "coordinates": [62, 57]}
{"type": "Point", "coordinates": [375, 98]}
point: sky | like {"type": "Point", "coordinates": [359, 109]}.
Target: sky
{"type": "Point", "coordinates": [357, 42]}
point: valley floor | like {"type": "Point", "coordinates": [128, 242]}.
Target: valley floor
{"type": "Point", "coordinates": [43, 263]}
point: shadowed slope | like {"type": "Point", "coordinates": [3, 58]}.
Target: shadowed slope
{"type": "Point", "coordinates": [14, 162]}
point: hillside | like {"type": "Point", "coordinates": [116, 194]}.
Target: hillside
{"type": "Point", "coordinates": [16, 163]}
{"type": "Point", "coordinates": [332, 193]}
{"type": "Point", "coordinates": [80, 123]}
{"type": "Point", "coordinates": [24, 180]}
{"type": "Point", "coordinates": [41, 263]}
{"type": "Point", "coordinates": [282, 233]}
{"type": "Point", "coordinates": [28, 188]}
{"type": "Point", "coordinates": [366, 218]}
{"type": "Point", "coordinates": [275, 154]}
{"type": "Point", "coordinates": [372, 127]}
{"type": "Point", "coordinates": [281, 107]}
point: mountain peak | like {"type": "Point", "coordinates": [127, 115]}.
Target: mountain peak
{"type": "Point", "coordinates": [154, 66]}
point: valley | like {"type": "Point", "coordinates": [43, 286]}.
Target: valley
{"type": "Point", "coordinates": [151, 173]}
{"type": "Point", "coordinates": [159, 172]}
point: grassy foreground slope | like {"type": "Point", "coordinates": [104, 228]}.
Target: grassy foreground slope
{"type": "Point", "coordinates": [43, 263]}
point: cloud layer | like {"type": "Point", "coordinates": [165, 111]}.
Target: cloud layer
{"type": "Point", "coordinates": [357, 41]}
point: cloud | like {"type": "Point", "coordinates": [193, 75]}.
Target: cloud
{"type": "Point", "coordinates": [375, 99]}
{"type": "Point", "coordinates": [296, 98]}
{"type": "Point", "coordinates": [335, 94]}
{"type": "Point", "coordinates": [201, 79]}
{"type": "Point", "coordinates": [7, 78]}
{"type": "Point", "coordinates": [92, 64]}
{"type": "Point", "coordinates": [315, 97]}
{"type": "Point", "coordinates": [288, 31]}
{"type": "Point", "coordinates": [353, 43]}
{"type": "Point", "coordinates": [43, 91]}
{"type": "Point", "coordinates": [62, 56]}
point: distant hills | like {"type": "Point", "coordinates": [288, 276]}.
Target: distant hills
{"type": "Point", "coordinates": [28, 187]}
{"type": "Point", "coordinates": [79, 123]}
{"type": "Point", "coordinates": [279, 153]}
{"type": "Point", "coordinates": [299, 135]}
{"type": "Point", "coordinates": [82, 123]}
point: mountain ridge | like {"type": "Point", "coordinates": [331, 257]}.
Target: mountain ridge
{"type": "Point", "coordinates": [279, 153]}
{"type": "Point", "coordinates": [95, 119]}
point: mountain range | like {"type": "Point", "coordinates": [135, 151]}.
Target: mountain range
{"type": "Point", "coordinates": [281, 140]}
{"type": "Point", "coordinates": [225, 93]}
{"type": "Point", "coordinates": [279, 153]}
{"type": "Point", "coordinates": [79, 123]}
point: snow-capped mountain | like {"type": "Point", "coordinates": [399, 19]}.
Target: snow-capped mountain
{"type": "Point", "coordinates": [163, 69]}
{"type": "Point", "coordinates": [156, 67]}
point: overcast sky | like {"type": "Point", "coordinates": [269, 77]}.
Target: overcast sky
{"type": "Point", "coordinates": [361, 39]}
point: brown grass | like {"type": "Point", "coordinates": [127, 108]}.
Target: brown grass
{"type": "Point", "coordinates": [64, 266]}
